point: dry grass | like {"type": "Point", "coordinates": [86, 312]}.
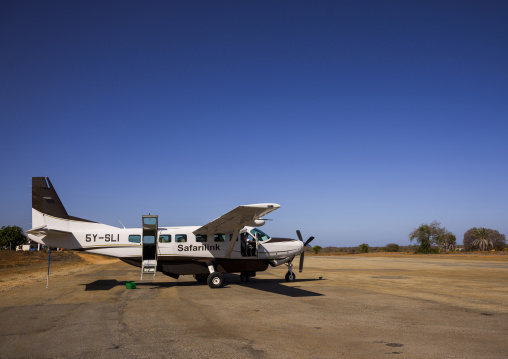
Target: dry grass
{"type": "Point", "coordinates": [12, 260]}
{"type": "Point", "coordinates": [20, 268]}
{"type": "Point", "coordinates": [484, 256]}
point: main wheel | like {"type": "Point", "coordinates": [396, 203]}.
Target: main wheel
{"type": "Point", "coordinates": [201, 278]}
{"type": "Point", "coordinates": [215, 280]}
{"type": "Point", "coordinates": [290, 277]}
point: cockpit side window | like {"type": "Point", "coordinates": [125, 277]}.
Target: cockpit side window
{"type": "Point", "coordinates": [260, 235]}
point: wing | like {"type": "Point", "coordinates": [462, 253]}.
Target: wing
{"type": "Point", "coordinates": [237, 218]}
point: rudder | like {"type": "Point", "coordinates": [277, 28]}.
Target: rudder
{"type": "Point", "coordinates": [45, 199]}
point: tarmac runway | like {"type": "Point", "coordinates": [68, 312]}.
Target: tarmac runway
{"type": "Point", "coordinates": [363, 307]}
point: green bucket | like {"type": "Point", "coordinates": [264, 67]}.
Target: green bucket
{"type": "Point", "coordinates": [130, 285]}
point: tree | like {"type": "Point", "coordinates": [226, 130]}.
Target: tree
{"type": "Point", "coordinates": [483, 239]}
{"type": "Point", "coordinates": [447, 242]}
{"type": "Point", "coordinates": [364, 248]}
{"type": "Point", "coordinates": [499, 241]}
{"type": "Point", "coordinates": [428, 235]}
{"type": "Point", "coordinates": [12, 236]}
{"type": "Point", "coordinates": [316, 249]}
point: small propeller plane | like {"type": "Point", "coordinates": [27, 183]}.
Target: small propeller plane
{"type": "Point", "coordinates": [228, 244]}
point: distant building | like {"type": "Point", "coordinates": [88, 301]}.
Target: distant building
{"type": "Point", "coordinates": [31, 246]}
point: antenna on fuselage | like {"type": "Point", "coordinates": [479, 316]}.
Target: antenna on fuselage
{"type": "Point", "coordinates": [121, 224]}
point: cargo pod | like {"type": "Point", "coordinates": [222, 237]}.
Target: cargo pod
{"type": "Point", "coordinates": [149, 244]}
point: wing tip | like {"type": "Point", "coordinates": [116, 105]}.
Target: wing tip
{"type": "Point", "coordinates": [263, 205]}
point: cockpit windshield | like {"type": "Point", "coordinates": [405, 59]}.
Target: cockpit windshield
{"type": "Point", "coordinates": [260, 235]}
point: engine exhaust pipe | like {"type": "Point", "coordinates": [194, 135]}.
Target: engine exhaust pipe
{"type": "Point", "coordinates": [275, 263]}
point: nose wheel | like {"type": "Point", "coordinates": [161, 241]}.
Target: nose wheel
{"type": "Point", "coordinates": [290, 275]}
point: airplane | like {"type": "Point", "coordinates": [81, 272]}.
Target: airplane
{"type": "Point", "coordinates": [231, 243]}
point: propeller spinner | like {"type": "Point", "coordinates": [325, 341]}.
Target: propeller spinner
{"type": "Point", "coordinates": [303, 251]}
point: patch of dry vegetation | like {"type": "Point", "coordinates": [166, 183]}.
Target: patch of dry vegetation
{"type": "Point", "coordinates": [20, 268]}
{"type": "Point", "coordinates": [408, 251]}
{"type": "Point", "coordinates": [18, 261]}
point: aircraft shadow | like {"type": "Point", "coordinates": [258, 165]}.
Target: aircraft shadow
{"type": "Point", "coordinates": [108, 284]}
{"type": "Point", "coordinates": [275, 286]}
{"type": "Point", "coordinates": [267, 285]}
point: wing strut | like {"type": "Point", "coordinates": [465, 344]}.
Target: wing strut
{"type": "Point", "coordinates": [232, 244]}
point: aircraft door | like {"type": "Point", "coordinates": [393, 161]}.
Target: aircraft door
{"type": "Point", "coordinates": [249, 245]}
{"type": "Point", "coordinates": [149, 244]}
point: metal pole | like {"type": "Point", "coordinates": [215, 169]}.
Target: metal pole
{"type": "Point", "coordinates": [49, 261]}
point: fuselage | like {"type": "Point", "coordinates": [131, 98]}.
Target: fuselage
{"type": "Point", "coordinates": [173, 242]}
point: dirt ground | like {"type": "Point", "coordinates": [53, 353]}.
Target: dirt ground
{"type": "Point", "coordinates": [21, 268]}
{"type": "Point", "coordinates": [355, 306]}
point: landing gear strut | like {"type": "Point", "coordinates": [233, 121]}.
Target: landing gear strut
{"type": "Point", "coordinates": [290, 276]}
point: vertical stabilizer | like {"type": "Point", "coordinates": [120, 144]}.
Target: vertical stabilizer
{"type": "Point", "coordinates": [45, 200]}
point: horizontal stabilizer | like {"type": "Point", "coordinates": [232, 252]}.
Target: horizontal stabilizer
{"type": "Point", "coordinates": [43, 230]}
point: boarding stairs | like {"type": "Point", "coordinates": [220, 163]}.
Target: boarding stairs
{"type": "Point", "coordinates": [149, 246]}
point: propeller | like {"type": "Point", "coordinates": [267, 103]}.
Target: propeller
{"type": "Point", "coordinates": [303, 251]}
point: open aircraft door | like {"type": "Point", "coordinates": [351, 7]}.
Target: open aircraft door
{"type": "Point", "coordinates": [149, 245]}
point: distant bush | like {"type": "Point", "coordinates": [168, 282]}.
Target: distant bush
{"type": "Point", "coordinates": [426, 250]}
{"type": "Point", "coordinates": [364, 248]}
{"type": "Point", "coordinates": [392, 247]}
{"type": "Point", "coordinates": [330, 250]}
{"type": "Point", "coordinates": [316, 249]}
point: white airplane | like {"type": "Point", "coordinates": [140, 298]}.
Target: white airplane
{"type": "Point", "coordinates": [228, 244]}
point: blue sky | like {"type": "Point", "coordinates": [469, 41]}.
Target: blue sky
{"type": "Point", "coordinates": [362, 119]}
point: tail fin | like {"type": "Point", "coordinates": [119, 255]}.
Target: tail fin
{"type": "Point", "coordinates": [46, 201]}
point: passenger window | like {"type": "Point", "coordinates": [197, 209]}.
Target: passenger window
{"type": "Point", "coordinates": [135, 238]}
{"type": "Point", "coordinates": [201, 237]}
{"type": "Point", "coordinates": [180, 238]}
{"type": "Point", "coordinates": [165, 238]}
{"type": "Point", "coordinates": [219, 238]}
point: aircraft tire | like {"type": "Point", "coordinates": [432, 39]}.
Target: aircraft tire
{"type": "Point", "coordinates": [201, 278]}
{"type": "Point", "coordinates": [290, 277]}
{"type": "Point", "coordinates": [215, 280]}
